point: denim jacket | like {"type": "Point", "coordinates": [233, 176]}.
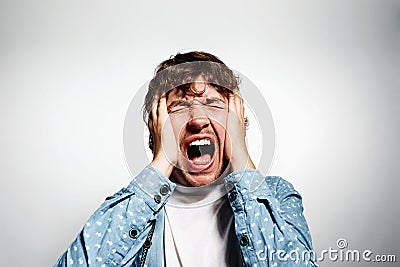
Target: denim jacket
{"type": "Point", "coordinates": [128, 228]}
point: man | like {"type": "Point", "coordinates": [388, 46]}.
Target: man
{"type": "Point", "coordinates": [201, 201]}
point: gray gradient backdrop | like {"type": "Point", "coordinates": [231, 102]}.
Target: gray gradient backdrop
{"type": "Point", "coordinates": [69, 69]}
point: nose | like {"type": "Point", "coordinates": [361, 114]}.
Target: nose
{"type": "Point", "coordinates": [197, 121]}
{"type": "Point", "coordinates": [195, 125]}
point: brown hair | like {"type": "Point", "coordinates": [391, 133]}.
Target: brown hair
{"type": "Point", "coordinates": [180, 71]}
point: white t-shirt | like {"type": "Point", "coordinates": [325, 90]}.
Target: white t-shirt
{"type": "Point", "coordinates": [199, 228]}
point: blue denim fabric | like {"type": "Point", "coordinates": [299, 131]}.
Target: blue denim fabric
{"type": "Point", "coordinates": [268, 212]}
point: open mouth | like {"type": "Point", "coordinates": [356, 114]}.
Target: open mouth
{"type": "Point", "coordinates": [201, 151]}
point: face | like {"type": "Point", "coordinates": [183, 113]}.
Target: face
{"type": "Point", "coordinates": [198, 119]}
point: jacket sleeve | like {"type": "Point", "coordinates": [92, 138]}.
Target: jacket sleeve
{"type": "Point", "coordinates": [116, 232]}
{"type": "Point", "coordinates": [269, 221]}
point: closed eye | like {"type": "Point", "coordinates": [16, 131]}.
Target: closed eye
{"type": "Point", "coordinates": [215, 103]}
{"type": "Point", "coordinates": [178, 105]}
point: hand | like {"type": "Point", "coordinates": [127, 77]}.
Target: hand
{"type": "Point", "coordinates": [165, 152]}
{"type": "Point", "coordinates": [235, 144]}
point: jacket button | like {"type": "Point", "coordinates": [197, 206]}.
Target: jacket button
{"type": "Point", "coordinates": [147, 243]}
{"type": "Point", "coordinates": [229, 186]}
{"type": "Point", "coordinates": [244, 240]}
{"type": "Point", "coordinates": [133, 233]}
{"type": "Point", "coordinates": [164, 190]}
{"type": "Point", "coordinates": [232, 196]}
{"type": "Point", "coordinates": [157, 198]}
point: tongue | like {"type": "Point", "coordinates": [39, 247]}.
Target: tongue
{"type": "Point", "coordinates": [203, 159]}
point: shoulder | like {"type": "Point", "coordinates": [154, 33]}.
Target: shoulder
{"type": "Point", "coordinates": [281, 188]}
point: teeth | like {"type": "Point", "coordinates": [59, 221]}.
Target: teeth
{"type": "Point", "coordinates": [200, 142]}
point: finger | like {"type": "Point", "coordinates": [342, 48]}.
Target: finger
{"type": "Point", "coordinates": [231, 103]}
{"type": "Point", "coordinates": [153, 114]}
{"type": "Point", "coordinates": [162, 108]}
{"type": "Point", "coordinates": [239, 107]}
{"type": "Point", "coordinates": [242, 109]}
{"type": "Point", "coordinates": [238, 104]}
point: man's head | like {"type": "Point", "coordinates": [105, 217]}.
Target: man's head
{"type": "Point", "coordinates": [197, 86]}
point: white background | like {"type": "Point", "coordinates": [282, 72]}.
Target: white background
{"type": "Point", "coordinates": [69, 69]}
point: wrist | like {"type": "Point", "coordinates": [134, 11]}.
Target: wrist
{"type": "Point", "coordinates": [241, 162]}
{"type": "Point", "coordinates": [163, 165]}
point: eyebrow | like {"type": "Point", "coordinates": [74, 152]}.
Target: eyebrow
{"type": "Point", "coordinates": [178, 101]}
{"type": "Point", "coordinates": [216, 99]}
{"type": "Point", "coordinates": [175, 103]}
